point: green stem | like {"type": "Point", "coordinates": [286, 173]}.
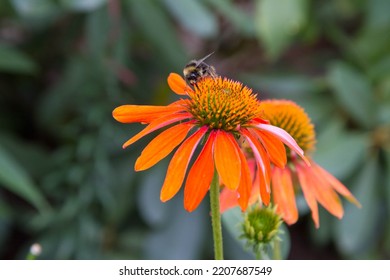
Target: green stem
{"type": "Point", "coordinates": [216, 217]}
{"type": "Point", "coordinates": [258, 254]}
{"type": "Point", "coordinates": [277, 250]}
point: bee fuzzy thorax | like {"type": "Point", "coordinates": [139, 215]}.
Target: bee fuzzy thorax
{"type": "Point", "coordinates": [189, 68]}
{"type": "Point", "coordinates": [198, 69]}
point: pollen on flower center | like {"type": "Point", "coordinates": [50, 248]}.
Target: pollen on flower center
{"type": "Point", "coordinates": [221, 103]}
{"type": "Point", "coordinates": [293, 119]}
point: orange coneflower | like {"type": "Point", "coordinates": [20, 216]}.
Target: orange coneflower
{"type": "Point", "coordinates": [318, 185]}
{"type": "Point", "coordinates": [220, 113]}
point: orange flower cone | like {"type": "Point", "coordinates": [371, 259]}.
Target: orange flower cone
{"type": "Point", "coordinates": [318, 185]}
{"type": "Point", "coordinates": [217, 113]}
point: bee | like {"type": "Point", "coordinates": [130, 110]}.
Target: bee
{"type": "Point", "coordinates": [198, 69]}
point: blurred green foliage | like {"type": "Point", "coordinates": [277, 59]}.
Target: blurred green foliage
{"type": "Point", "coordinates": [65, 65]}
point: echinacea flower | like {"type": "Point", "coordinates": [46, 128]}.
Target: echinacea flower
{"type": "Point", "coordinates": [318, 185]}
{"type": "Point", "coordinates": [218, 113]}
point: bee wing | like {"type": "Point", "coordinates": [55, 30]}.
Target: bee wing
{"type": "Point", "coordinates": [203, 59]}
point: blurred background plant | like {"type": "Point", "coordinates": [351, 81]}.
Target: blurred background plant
{"type": "Point", "coordinates": [65, 182]}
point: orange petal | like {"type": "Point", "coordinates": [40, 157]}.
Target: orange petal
{"type": "Point", "coordinates": [200, 176]}
{"type": "Point", "coordinates": [324, 193]}
{"type": "Point", "coordinates": [274, 147]}
{"type": "Point", "coordinates": [263, 165]}
{"type": "Point", "coordinates": [162, 145]}
{"type": "Point", "coordinates": [143, 113]}
{"type": "Point", "coordinates": [177, 84]}
{"type": "Point", "coordinates": [259, 120]}
{"type": "Point", "coordinates": [309, 195]}
{"type": "Point", "coordinates": [255, 192]}
{"type": "Point", "coordinates": [245, 186]}
{"type": "Point", "coordinates": [283, 195]}
{"type": "Point", "coordinates": [156, 124]}
{"type": "Point", "coordinates": [264, 193]}
{"type": "Point", "coordinates": [227, 159]}
{"type": "Point", "coordinates": [286, 138]}
{"type": "Point", "coordinates": [336, 184]}
{"type": "Point", "coordinates": [178, 165]}
{"type": "Point", "coordinates": [264, 160]}
{"type": "Point", "coordinates": [227, 199]}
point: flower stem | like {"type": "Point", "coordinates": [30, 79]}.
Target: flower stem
{"type": "Point", "coordinates": [216, 218]}
{"type": "Point", "coordinates": [277, 254]}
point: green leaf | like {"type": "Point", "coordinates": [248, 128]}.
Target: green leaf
{"type": "Point", "coordinates": [387, 184]}
{"type": "Point", "coordinates": [384, 113]}
{"type": "Point", "coordinates": [297, 88]}
{"type": "Point", "coordinates": [152, 210]}
{"type": "Point", "coordinates": [277, 21]}
{"type": "Point", "coordinates": [353, 92]}
{"type": "Point", "coordinates": [381, 70]}
{"type": "Point", "coordinates": [323, 234]}
{"type": "Point", "coordinates": [34, 8]}
{"type": "Point", "coordinates": [340, 152]}
{"type": "Point", "coordinates": [240, 19]}
{"type": "Point", "coordinates": [97, 26]}
{"type": "Point", "coordinates": [281, 86]}
{"type": "Point", "coordinates": [363, 49]}
{"type": "Point", "coordinates": [155, 25]}
{"type": "Point", "coordinates": [357, 231]}
{"type": "Point", "coordinates": [16, 179]}
{"type": "Point", "coordinates": [83, 5]}
{"type": "Point", "coordinates": [30, 155]}
{"type": "Point", "coordinates": [15, 61]}
{"type": "Point", "coordinates": [194, 17]}
{"type": "Point", "coordinates": [232, 220]}
{"type": "Point", "coordinates": [181, 237]}
{"type": "Point", "coordinates": [378, 14]}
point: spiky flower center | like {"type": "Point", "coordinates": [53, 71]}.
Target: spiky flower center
{"type": "Point", "coordinates": [293, 119]}
{"type": "Point", "coordinates": [221, 103]}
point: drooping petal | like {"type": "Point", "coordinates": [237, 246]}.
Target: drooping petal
{"type": "Point", "coordinates": [228, 199]}
{"type": "Point", "coordinates": [255, 192]}
{"type": "Point", "coordinates": [336, 184]}
{"type": "Point", "coordinates": [263, 165]}
{"type": "Point", "coordinates": [162, 145]}
{"type": "Point", "coordinates": [265, 161]}
{"type": "Point", "coordinates": [177, 84]}
{"type": "Point", "coordinates": [200, 176]}
{"type": "Point", "coordinates": [283, 195]}
{"type": "Point", "coordinates": [227, 159]}
{"type": "Point", "coordinates": [157, 124]}
{"type": "Point", "coordinates": [274, 147]}
{"type": "Point", "coordinates": [178, 165]}
{"type": "Point", "coordinates": [309, 195]}
{"type": "Point", "coordinates": [143, 113]}
{"type": "Point", "coordinates": [324, 193]}
{"type": "Point", "coordinates": [264, 186]}
{"type": "Point", "coordinates": [255, 188]}
{"type": "Point", "coordinates": [245, 186]}
{"type": "Point", "coordinates": [285, 138]}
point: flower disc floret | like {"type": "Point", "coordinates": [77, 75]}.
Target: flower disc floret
{"type": "Point", "coordinates": [224, 104]}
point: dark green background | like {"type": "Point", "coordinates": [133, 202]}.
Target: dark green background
{"type": "Point", "coordinates": [65, 65]}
